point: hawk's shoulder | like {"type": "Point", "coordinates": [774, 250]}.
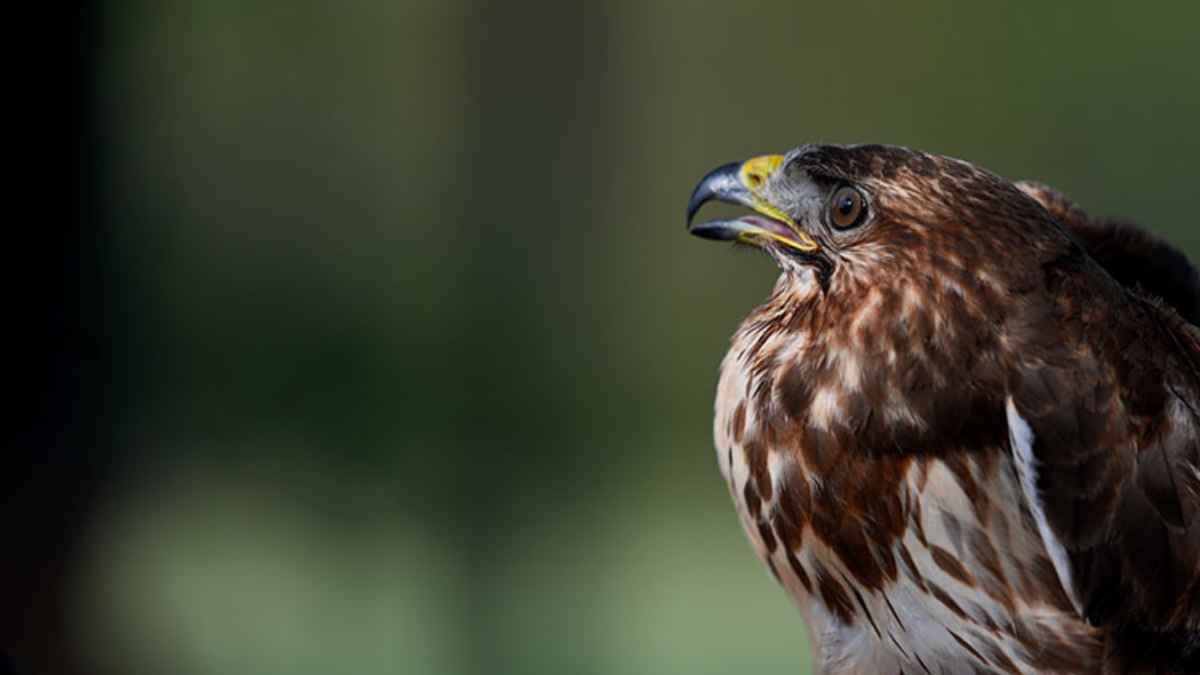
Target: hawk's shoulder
{"type": "Point", "coordinates": [1139, 259]}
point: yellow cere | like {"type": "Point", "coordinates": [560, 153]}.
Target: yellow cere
{"type": "Point", "coordinates": [754, 174]}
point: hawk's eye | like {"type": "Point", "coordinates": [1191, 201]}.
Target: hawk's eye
{"type": "Point", "coordinates": [847, 208]}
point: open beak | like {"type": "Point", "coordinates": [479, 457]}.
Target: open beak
{"type": "Point", "coordinates": [741, 183]}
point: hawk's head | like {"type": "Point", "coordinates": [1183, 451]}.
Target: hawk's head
{"type": "Point", "coordinates": [858, 215]}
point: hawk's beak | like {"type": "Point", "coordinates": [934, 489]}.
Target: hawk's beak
{"type": "Point", "coordinates": [741, 183]}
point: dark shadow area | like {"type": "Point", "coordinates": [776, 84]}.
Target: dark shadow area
{"type": "Point", "coordinates": [55, 456]}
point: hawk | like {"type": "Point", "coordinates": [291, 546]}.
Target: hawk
{"type": "Point", "coordinates": [963, 430]}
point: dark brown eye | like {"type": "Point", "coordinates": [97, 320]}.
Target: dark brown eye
{"type": "Point", "coordinates": [847, 208]}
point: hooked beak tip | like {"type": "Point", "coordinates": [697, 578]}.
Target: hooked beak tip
{"type": "Point", "coordinates": [722, 184]}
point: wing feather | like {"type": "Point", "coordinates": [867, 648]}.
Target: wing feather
{"type": "Point", "coordinates": [1109, 389]}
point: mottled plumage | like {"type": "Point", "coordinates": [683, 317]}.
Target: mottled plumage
{"type": "Point", "coordinates": [962, 431]}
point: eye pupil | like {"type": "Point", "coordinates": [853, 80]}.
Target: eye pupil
{"type": "Point", "coordinates": [848, 208]}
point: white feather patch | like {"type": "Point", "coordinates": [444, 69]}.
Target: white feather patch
{"type": "Point", "coordinates": [1020, 436]}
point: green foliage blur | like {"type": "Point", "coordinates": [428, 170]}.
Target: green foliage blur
{"type": "Point", "coordinates": [412, 359]}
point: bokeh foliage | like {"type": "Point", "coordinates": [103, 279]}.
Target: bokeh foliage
{"type": "Point", "coordinates": [410, 361]}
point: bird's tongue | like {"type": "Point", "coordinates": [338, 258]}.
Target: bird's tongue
{"type": "Point", "coordinates": [770, 225]}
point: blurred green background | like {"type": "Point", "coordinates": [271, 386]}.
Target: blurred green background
{"type": "Point", "coordinates": [403, 361]}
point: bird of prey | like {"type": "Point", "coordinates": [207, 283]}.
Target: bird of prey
{"type": "Point", "coordinates": [963, 430]}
